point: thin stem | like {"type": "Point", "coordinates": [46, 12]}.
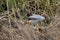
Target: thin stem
{"type": "Point", "coordinates": [15, 4]}
{"type": "Point", "coordinates": [8, 13]}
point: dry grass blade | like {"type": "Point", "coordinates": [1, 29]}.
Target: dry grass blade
{"type": "Point", "coordinates": [16, 28]}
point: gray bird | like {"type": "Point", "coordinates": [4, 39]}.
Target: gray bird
{"type": "Point", "coordinates": [36, 18]}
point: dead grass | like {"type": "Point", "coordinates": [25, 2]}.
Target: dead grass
{"type": "Point", "coordinates": [19, 31]}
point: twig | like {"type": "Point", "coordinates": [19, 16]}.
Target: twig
{"type": "Point", "coordinates": [2, 17]}
{"type": "Point", "coordinates": [8, 13]}
{"type": "Point", "coordinates": [15, 4]}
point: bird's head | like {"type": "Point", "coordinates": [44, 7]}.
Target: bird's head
{"type": "Point", "coordinates": [42, 18]}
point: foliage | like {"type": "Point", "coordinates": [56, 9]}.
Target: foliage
{"type": "Point", "coordinates": [43, 7]}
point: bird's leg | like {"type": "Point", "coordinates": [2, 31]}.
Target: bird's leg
{"type": "Point", "coordinates": [37, 25]}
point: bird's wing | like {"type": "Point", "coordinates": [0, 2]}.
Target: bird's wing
{"type": "Point", "coordinates": [35, 17]}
